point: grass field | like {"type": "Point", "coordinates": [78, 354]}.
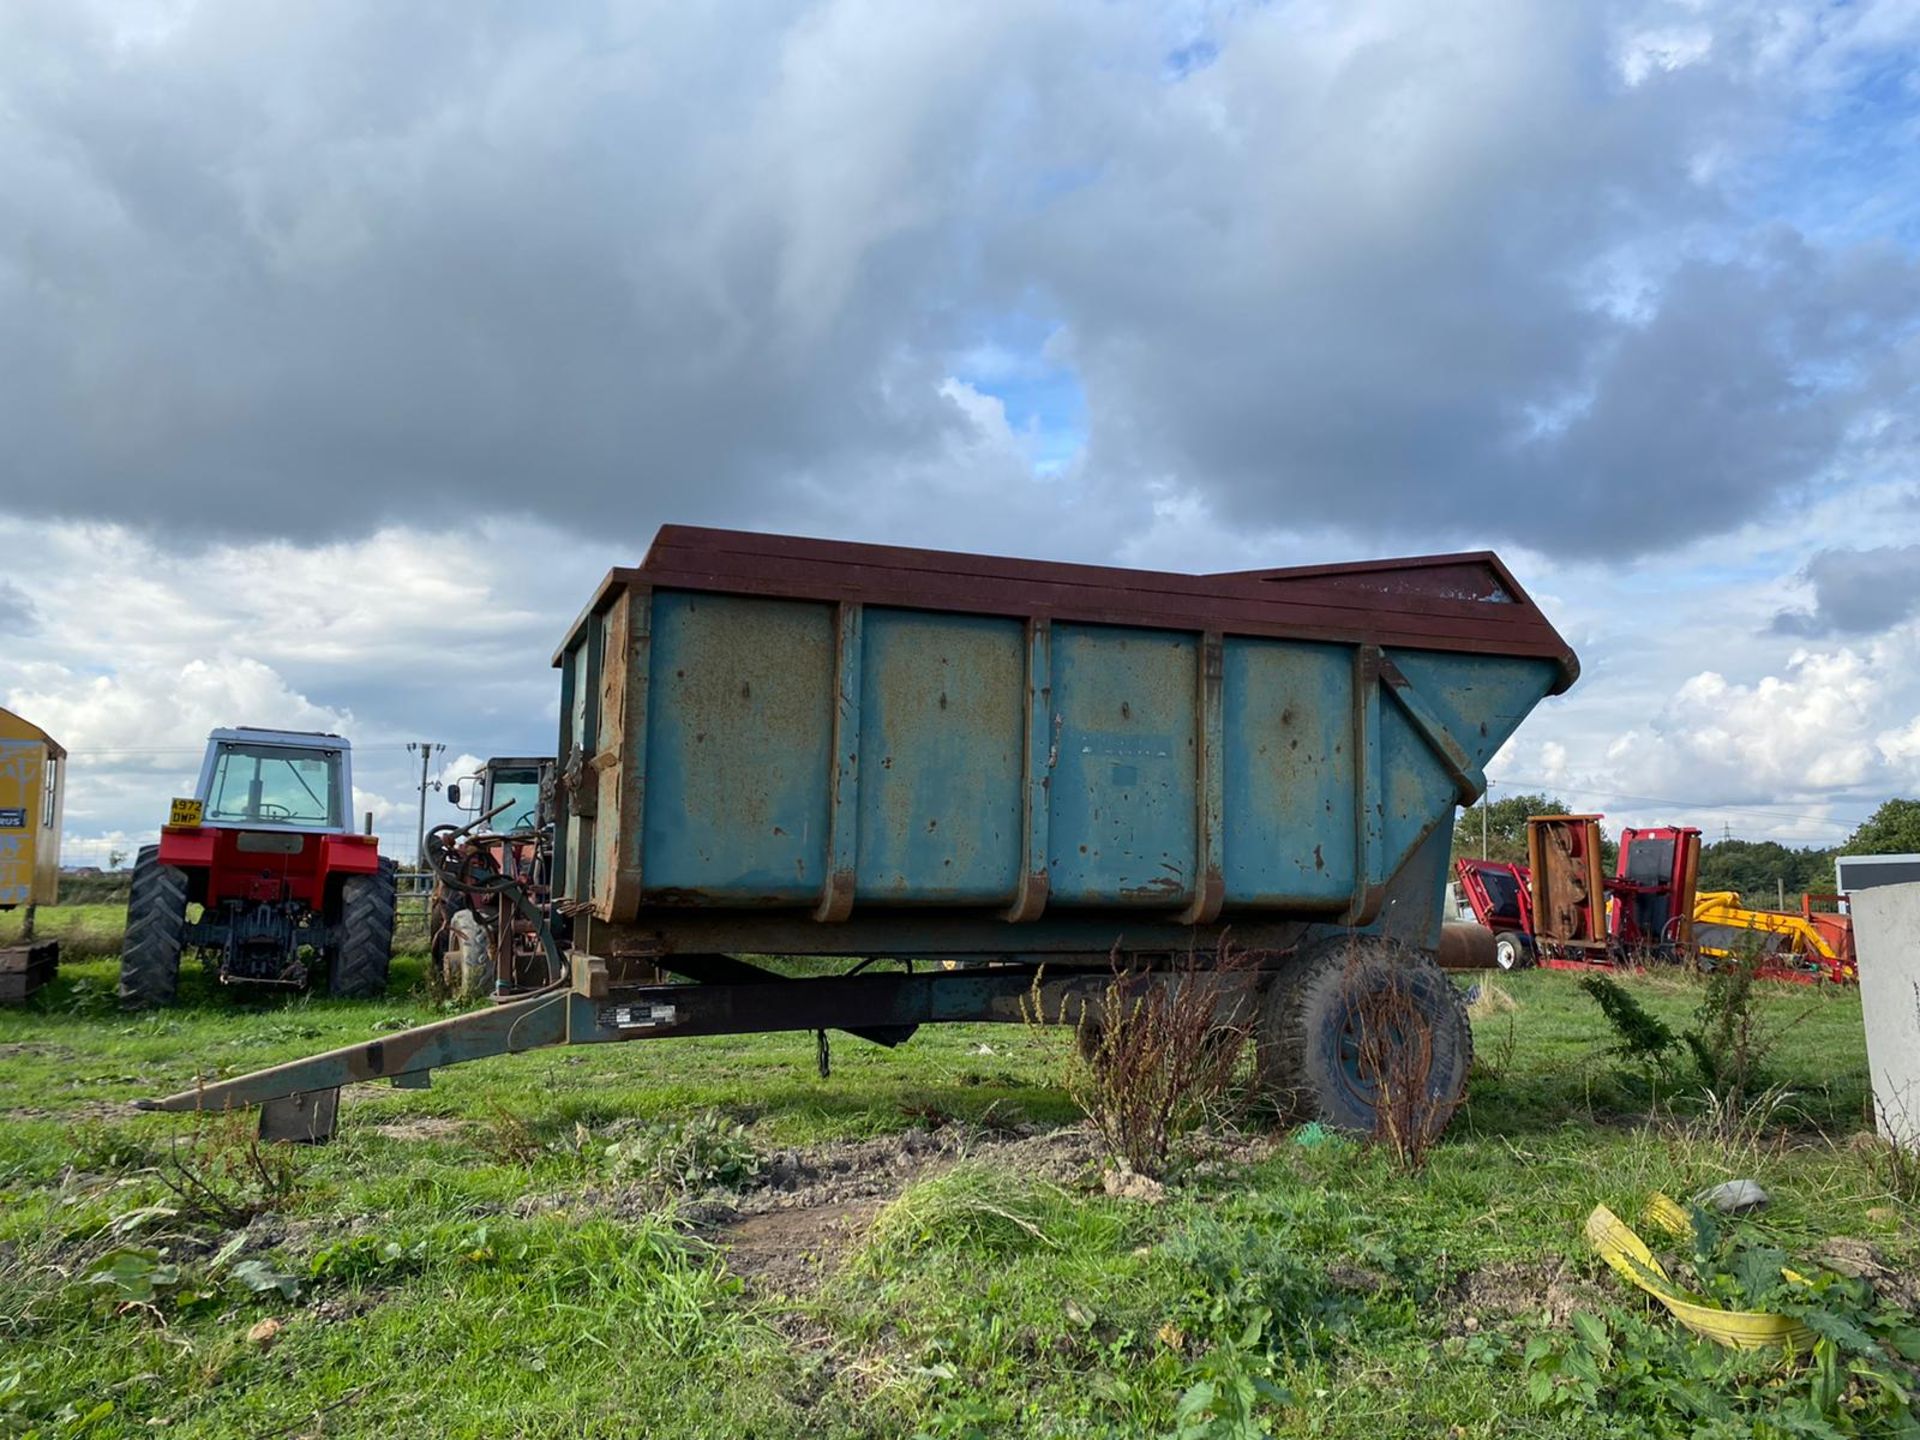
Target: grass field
{"type": "Point", "coordinates": [703, 1237]}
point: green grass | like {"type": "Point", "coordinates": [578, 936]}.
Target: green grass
{"type": "Point", "coordinates": [85, 932]}
{"type": "Point", "coordinates": [984, 1301]}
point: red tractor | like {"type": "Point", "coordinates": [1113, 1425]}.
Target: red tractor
{"type": "Point", "coordinates": [265, 848]}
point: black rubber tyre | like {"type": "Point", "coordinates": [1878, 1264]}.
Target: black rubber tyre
{"type": "Point", "coordinates": [1512, 950]}
{"type": "Point", "coordinates": [470, 964]}
{"type": "Point", "coordinates": [156, 930]}
{"type": "Point", "coordinates": [1309, 1037]}
{"type": "Point", "coordinates": [357, 968]}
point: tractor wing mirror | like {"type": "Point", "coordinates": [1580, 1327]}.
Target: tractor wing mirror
{"type": "Point", "coordinates": [453, 794]}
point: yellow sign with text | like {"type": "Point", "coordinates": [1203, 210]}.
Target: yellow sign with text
{"type": "Point", "coordinates": [184, 812]}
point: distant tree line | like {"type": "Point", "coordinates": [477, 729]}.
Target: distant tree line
{"type": "Point", "coordinates": [1758, 869]}
{"type": "Point", "coordinates": [94, 887]}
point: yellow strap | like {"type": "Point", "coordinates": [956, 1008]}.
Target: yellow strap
{"type": "Point", "coordinates": [1629, 1257]}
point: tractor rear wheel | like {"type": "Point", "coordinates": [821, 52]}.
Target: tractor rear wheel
{"type": "Point", "coordinates": [361, 956]}
{"type": "Point", "coordinates": [156, 931]}
{"type": "Point", "coordinates": [1350, 1009]}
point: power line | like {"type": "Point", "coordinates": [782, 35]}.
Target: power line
{"type": "Point", "coordinates": [139, 750]}
{"type": "Point", "coordinates": [111, 751]}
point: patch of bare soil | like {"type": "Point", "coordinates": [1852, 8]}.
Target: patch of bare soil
{"type": "Point", "coordinates": [790, 1252]}
{"type": "Point", "coordinates": [1358, 1279]}
{"type": "Point", "coordinates": [786, 1230]}
{"type": "Point", "coordinates": [882, 1167]}
{"type": "Point", "coordinates": [33, 1047]}
{"type": "Point", "coordinates": [1863, 1261]}
{"type": "Point", "coordinates": [1519, 1289]}
{"type": "Point", "coordinates": [1218, 1156]}
{"type": "Point", "coordinates": [77, 1110]}
{"type": "Point", "coordinates": [813, 1205]}
{"type": "Point", "coordinates": [422, 1127]}
{"type": "Point", "coordinates": [268, 1232]}
{"type": "Point", "coordinates": [337, 1309]}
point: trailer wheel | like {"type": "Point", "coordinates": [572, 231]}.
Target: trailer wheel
{"type": "Point", "coordinates": [1313, 1020]}
{"type": "Point", "coordinates": [359, 960]}
{"type": "Point", "coordinates": [1512, 950]}
{"type": "Point", "coordinates": [156, 930]}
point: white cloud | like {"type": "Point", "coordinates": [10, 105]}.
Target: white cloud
{"type": "Point", "coordinates": [1901, 747]}
{"type": "Point", "coordinates": [405, 634]}
{"type": "Point", "coordinates": [148, 710]}
{"type": "Point", "coordinates": [1668, 48]}
{"type": "Point", "coordinates": [386, 813]}
{"type": "Point", "coordinates": [459, 769]}
{"type": "Point", "coordinates": [1807, 730]}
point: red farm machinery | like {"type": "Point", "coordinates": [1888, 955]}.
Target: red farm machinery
{"type": "Point", "coordinates": [264, 851]}
{"type": "Point", "coordinates": [493, 882]}
{"type": "Point", "coordinates": [1562, 911]}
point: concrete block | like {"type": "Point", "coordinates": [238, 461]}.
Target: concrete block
{"type": "Point", "coordinates": [1886, 929]}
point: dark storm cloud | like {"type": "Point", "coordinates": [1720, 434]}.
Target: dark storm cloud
{"type": "Point", "coordinates": [1416, 271]}
{"type": "Point", "coordinates": [17, 615]}
{"type": "Point", "coordinates": [1857, 592]}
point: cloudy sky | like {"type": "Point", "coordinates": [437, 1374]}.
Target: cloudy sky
{"type": "Point", "coordinates": [343, 345]}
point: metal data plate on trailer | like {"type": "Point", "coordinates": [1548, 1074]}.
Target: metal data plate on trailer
{"type": "Point", "coordinates": [639, 1017]}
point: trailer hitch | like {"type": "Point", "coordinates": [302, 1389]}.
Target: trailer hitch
{"type": "Point", "coordinates": [298, 1100]}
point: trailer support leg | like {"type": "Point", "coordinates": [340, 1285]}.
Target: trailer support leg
{"type": "Point", "coordinates": [305, 1117]}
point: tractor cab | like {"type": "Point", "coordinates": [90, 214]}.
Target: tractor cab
{"type": "Point", "coordinates": [519, 788]}
{"type": "Point", "coordinates": [265, 848]}
{"type": "Point", "coordinates": [275, 780]}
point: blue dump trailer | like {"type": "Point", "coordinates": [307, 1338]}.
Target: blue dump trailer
{"type": "Point", "coordinates": [984, 782]}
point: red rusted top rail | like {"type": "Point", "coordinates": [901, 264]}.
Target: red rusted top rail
{"type": "Point", "coordinates": [1467, 602]}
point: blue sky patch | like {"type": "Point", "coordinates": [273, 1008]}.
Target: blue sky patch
{"type": "Point", "coordinates": [1017, 362]}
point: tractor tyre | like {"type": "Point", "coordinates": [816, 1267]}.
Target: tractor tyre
{"type": "Point", "coordinates": [469, 965]}
{"type": "Point", "coordinates": [1313, 1024]}
{"type": "Point", "coordinates": [1512, 950]}
{"type": "Point", "coordinates": [156, 932]}
{"type": "Point", "coordinates": [358, 968]}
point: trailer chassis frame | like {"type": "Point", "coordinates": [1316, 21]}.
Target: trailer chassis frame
{"type": "Point", "coordinates": [299, 1100]}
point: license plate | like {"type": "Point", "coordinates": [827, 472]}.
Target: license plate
{"type": "Point", "coordinates": [184, 812]}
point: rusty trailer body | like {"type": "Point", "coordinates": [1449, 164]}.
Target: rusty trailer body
{"type": "Point", "coordinates": [772, 745]}
{"type": "Point", "coordinates": [796, 746]}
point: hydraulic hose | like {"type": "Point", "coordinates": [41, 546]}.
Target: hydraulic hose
{"type": "Point", "coordinates": [470, 875]}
